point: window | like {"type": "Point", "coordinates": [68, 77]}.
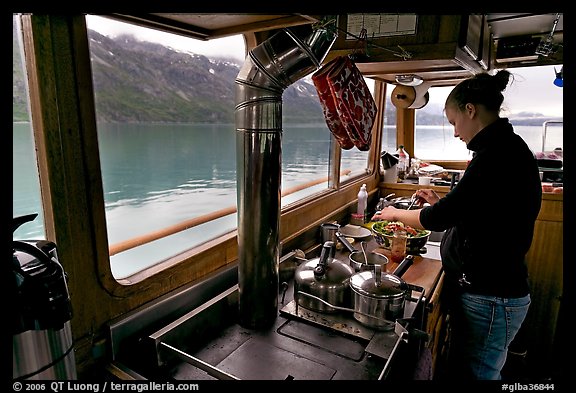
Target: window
{"type": "Point", "coordinates": [434, 136]}
{"type": "Point", "coordinates": [389, 133]}
{"type": "Point", "coordinates": [167, 140]}
{"type": "Point", "coordinates": [26, 197]}
{"type": "Point", "coordinates": [535, 118]}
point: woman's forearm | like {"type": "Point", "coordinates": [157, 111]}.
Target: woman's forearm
{"type": "Point", "coordinates": [408, 217]}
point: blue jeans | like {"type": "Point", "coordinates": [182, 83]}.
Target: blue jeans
{"type": "Point", "coordinates": [482, 328]}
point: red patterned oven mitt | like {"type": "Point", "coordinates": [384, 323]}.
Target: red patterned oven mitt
{"type": "Point", "coordinates": [347, 103]}
{"type": "Point", "coordinates": [335, 125]}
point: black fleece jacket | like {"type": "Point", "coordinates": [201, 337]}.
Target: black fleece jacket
{"type": "Point", "coordinates": [489, 215]}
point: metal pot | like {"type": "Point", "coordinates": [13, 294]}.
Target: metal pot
{"type": "Point", "coordinates": [326, 279]}
{"type": "Point", "coordinates": [330, 232]}
{"type": "Point", "coordinates": [358, 262]}
{"type": "Point", "coordinates": [379, 297]}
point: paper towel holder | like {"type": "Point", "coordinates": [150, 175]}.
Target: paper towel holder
{"type": "Point", "coordinates": [409, 79]}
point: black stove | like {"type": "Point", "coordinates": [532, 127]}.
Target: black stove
{"type": "Point", "coordinates": [207, 342]}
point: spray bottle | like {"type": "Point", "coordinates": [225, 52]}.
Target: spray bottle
{"type": "Point", "coordinates": [362, 202]}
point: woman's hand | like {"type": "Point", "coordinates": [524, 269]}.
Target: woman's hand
{"type": "Point", "coordinates": [408, 217]}
{"type": "Point", "coordinates": [388, 214]}
{"type": "Point", "coordinates": [427, 195]}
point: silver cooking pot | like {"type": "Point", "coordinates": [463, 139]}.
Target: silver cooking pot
{"type": "Point", "coordinates": [359, 263]}
{"type": "Point", "coordinates": [326, 279]}
{"type": "Point", "coordinates": [379, 297]}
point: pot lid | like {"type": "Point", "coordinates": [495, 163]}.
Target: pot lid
{"type": "Point", "coordinates": [325, 270]}
{"type": "Point", "coordinates": [335, 272]}
{"type": "Point", "coordinates": [389, 285]}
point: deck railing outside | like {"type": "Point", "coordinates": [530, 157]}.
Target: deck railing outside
{"type": "Point", "coordinates": [182, 226]}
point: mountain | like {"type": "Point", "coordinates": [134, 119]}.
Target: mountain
{"type": "Point", "coordinates": [191, 88]}
{"type": "Point", "coordinates": [128, 86]}
{"type": "Point", "coordinates": [19, 102]}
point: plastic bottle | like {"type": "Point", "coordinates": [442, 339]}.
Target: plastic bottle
{"type": "Point", "coordinates": [403, 162]}
{"type": "Point", "coordinates": [362, 202]}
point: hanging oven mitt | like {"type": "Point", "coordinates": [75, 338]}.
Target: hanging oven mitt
{"type": "Point", "coordinates": [333, 121]}
{"type": "Point", "coordinates": [354, 102]}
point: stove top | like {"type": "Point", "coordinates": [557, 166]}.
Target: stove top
{"type": "Point", "coordinates": [208, 343]}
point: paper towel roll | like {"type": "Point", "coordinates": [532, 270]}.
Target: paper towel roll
{"type": "Point", "coordinates": [411, 97]}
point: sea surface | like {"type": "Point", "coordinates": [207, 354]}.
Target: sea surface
{"type": "Point", "coordinates": [155, 176]}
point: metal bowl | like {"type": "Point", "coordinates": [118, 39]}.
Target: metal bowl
{"type": "Point", "coordinates": [413, 244]}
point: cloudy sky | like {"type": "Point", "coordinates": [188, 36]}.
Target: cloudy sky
{"type": "Point", "coordinates": [531, 91]}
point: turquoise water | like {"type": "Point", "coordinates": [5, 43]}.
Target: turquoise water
{"type": "Point", "coordinates": [156, 176]}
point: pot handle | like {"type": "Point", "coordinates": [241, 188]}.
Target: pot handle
{"type": "Point", "coordinates": [404, 265]}
{"type": "Point", "coordinates": [354, 310]}
{"type": "Point", "coordinates": [346, 243]}
{"type": "Point", "coordinates": [320, 269]}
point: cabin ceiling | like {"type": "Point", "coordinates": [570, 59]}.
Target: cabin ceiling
{"type": "Point", "coordinates": [212, 26]}
{"type": "Point", "coordinates": [438, 72]}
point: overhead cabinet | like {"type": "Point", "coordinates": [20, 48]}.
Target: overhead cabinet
{"type": "Point", "coordinates": [448, 48]}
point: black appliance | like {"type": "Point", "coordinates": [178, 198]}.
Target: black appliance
{"type": "Point", "coordinates": [42, 345]}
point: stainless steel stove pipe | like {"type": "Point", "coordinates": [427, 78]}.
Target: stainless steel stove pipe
{"type": "Point", "coordinates": [267, 71]}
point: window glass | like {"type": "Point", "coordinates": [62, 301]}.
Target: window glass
{"type": "Point", "coordinates": [167, 138]}
{"type": "Point", "coordinates": [353, 164]}
{"type": "Point", "coordinates": [305, 160]}
{"type": "Point", "coordinates": [26, 198]}
{"type": "Point", "coordinates": [533, 119]}
{"type": "Point", "coordinates": [389, 132]}
{"type": "Point", "coordinates": [434, 135]}
{"type": "Point", "coordinates": [535, 107]}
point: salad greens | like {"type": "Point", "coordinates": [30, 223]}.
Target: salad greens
{"type": "Point", "coordinates": [388, 228]}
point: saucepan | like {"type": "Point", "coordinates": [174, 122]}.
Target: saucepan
{"type": "Point", "coordinates": [364, 260]}
{"type": "Point", "coordinates": [379, 297]}
{"type": "Point", "coordinates": [359, 259]}
{"type": "Point", "coordinates": [407, 202]}
{"type": "Point", "coordinates": [330, 232]}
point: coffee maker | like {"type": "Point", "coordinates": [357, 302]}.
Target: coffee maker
{"type": "Point", "coordinates": [42, 345]}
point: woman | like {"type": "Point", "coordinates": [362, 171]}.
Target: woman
{"type": "Point", "coordinates": [489, 220]}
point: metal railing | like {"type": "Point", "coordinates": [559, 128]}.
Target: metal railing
{"type": "Point", "coordinates": [193, 222]}
{"type": "Point", "coordinates": [545, 129]}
